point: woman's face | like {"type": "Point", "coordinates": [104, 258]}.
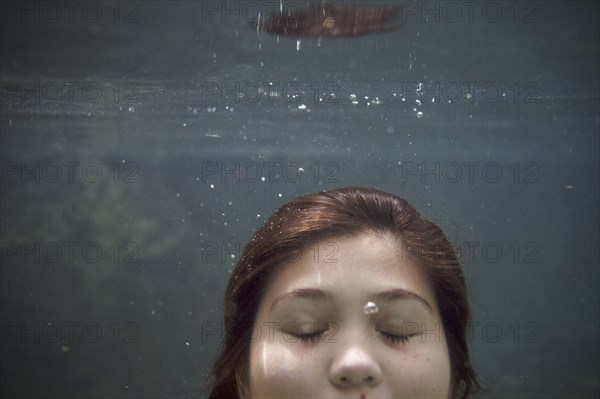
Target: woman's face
{"type": "Point", "coordinates": [317, 334]}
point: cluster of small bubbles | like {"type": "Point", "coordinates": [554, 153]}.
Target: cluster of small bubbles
{"type": "Point", "coordinates": [419, 93]}
{"type": "Point", "coordinates": [131, 109]}
{"type": "Point", "coordinates": [302, 106]}
{"type": "Point", "coordinates": [258, 215]}
{"type": "Point", "coordinates": [211, 109]}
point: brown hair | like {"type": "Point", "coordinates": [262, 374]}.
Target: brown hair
{"type": "Point", "coordinates": [333, 214]}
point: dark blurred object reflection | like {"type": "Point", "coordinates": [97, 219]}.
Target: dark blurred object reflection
{"type": "Point", "coordinates": [331, 19]}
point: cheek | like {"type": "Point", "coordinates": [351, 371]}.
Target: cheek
{"type": "Point", "coordinates": [422, 373]}
{"type": "Point", "coordinates": [278, 371]}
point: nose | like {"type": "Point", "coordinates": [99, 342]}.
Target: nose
{"type": "Point", "coordinates": [355, 366]}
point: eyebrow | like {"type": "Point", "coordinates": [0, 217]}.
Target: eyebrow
{"type": "Point", "coordinates": [383, 296]}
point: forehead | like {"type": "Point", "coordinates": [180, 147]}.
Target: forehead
{"type": "Point", "coordinates": [349, 268]}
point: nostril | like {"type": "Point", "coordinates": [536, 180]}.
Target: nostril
{"type": "Point", "coordinates": [368, 378]}
{"type": "Point", "coordinates": [346, 379]}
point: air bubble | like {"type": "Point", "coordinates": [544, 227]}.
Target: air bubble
{"type": "Point", "coordinates": [370, 308]}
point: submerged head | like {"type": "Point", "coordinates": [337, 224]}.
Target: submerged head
{"type": "Point", "coordinates": [346, 293]}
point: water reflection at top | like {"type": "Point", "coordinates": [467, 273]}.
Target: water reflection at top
{"type": "Point", "coordinates": [331, 19]}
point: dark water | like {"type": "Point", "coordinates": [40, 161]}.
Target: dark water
{"type": "Point", "coordinates": [119, 217]}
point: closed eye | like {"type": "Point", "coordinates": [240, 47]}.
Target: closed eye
{"type": "Point", "coordinates": [312, 337]}
{"type": "Point", "coordinates": [395, 338]}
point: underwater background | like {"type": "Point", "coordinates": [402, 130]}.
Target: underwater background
{"type": "Point", "coordinates": [143, 142]}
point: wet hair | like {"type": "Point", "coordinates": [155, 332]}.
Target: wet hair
{"type": "Point", "coordinates": [338, 213]}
